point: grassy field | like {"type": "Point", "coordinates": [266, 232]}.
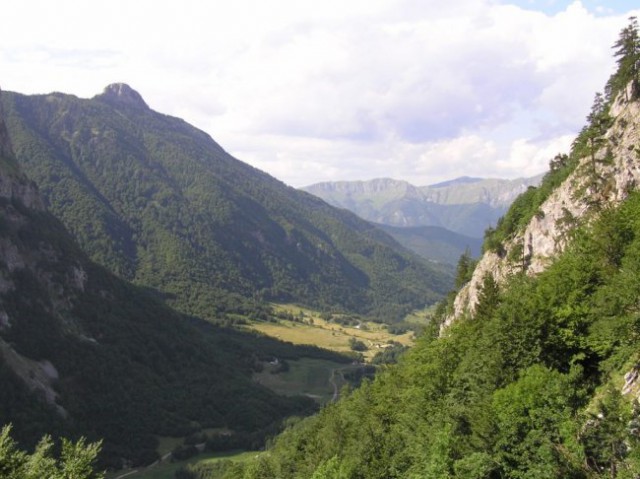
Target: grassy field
{"type": "Point", "coordinates": [167, 444]}
{"type": "Point", "coordinates": [311, 377]}
{"type": "Point", "coordinates": [166, 470]}
{"type": "Point", "coordinates": [329, 335]}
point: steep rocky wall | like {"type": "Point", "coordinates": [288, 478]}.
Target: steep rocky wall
{"type": "Point", "coordinates": [569, 205]}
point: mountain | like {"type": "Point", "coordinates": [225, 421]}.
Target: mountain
{"type": "Point", "coordinates": [435, 243]}
{"type": "Point", "coordinates": [83, 352]}
{"type": "Point", "coordinates": [537, 375]}
{"type": "Point", "coordinates": [159, 203]}
{"type": "Point", "coordinates": [467, 206]}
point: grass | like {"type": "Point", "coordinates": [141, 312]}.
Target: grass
{"type": "Point", "coordinates": [329, 335]}
{"type": "Point", "coordinates": [310, 377]}
{"type": "Point", "coordinates": [318, 378]}
{"type": "Point", "coordinates": [167, 444]}
{"type": "Point", "coordinates": [166, 470]}
{"type": "Point", "coordinates": [421, 317]}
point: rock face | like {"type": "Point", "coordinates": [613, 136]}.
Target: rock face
{"type": "Point", "coordinates": [569, 205]}
{"type": "Point", "coordinates": [122, 94]}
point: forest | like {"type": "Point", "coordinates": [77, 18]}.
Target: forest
{"type": "Point", "coordinates": [538, 382]}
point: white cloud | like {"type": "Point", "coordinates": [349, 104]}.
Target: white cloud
{"type": "Point", "coordinates": [313, 91]}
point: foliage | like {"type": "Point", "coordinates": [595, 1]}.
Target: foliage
{"type": "Point", "coordinates": [464, 269]}
{"type": "Point", "coordinates": [129, 368]}
{"type": "Point", "coordinates": [76, 459]}
{"type": "Point", "coordinates": [357, 345]}
{"type": "Point", "coordinates": [627, 53]}
{"type": "Point", "coordinates": [588, 142]}
{"type": "Point", "coordinates": [158, 202]}
{"type": "Point", "coordinates": [389, 355]}
{"type": "Point", "coordinates": [523, 390]}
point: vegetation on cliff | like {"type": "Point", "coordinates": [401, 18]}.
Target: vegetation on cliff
{"type": "Point", "coordinates": [532, 386]}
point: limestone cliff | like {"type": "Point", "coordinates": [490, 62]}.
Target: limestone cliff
{"type": "Point", "coordinates": [600, 180]}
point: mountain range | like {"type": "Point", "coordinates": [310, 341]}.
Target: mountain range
{"type": "Point", "coordinates": [159, 203]}
{"type": "Point", "coordinates": [110, 214]}
{"type": "Point", "coordinates": [465, 205]}
{"type": "Point", "coordinates": [439, 222]}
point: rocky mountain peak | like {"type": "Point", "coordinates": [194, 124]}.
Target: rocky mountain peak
{"type": "Point", "coordinates": [122, 94]}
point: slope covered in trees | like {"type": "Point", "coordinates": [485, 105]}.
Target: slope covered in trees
{"type": "Point", "coordinates": [159, 203]}
{"type": "Point", "coordinates": [541, 381]}
{"type": "Point", "coordinates": [82, 352]}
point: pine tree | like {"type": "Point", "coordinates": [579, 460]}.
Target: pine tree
{"type": "Point", "coordinates": [488, 298]}
{"type": "Point", "coordinates": [627, 52]}
{"type": "Point", "coordinates": [464, 269]}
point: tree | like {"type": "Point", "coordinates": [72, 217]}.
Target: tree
{"type": "Point", "coordinates": [607, 437]}
{"type": "Point", "coordinates": [488, 298]}
{"type": "Point", "coordinates": [357, 345]}
{"type": "Point", "coordinates": [464, 269]}
{"type": "Point", "coordinates": [627, 52]}
{"type": "Point", "coordinates": [329, 470]}
{"type": "Point", "coordinates": [599, 121]}
{"type": "Point", "coordinates": [75, 462]}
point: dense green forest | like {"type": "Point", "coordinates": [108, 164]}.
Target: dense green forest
{"type": "Point", "coordinates": [159, 203]}
{"type": "Point", "coordinates": [530, 386]}
{"type": "Point", "coordinates": [84, 353]}
{"type": "Point", "coordinates": [129, 367]}
{"type": "Point", "coordinates": [539, 382]}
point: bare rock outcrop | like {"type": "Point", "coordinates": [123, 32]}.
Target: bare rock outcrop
{"type": "Point", "coordinates": [599, 181]}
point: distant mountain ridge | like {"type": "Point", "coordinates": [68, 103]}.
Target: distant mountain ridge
{"type": "Point", "coordinates": [464, 205]}
{"type": "Point", "coordinates": [160, 203]}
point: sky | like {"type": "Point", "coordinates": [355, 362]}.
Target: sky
{"type": "Point", "coordinates": [337, 90]}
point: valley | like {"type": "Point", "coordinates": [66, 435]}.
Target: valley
{"type": "Point", "coordinates": [315, 328]}
{"type": "Point", "coordinates": [125, 304]}
{"type": "Point", "coordinates": [168, 311]}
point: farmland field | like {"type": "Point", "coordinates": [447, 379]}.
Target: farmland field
{"type": "Point", "coordinates": [311, 377]}
{"type": "Point", "coordinates": [330, 335]}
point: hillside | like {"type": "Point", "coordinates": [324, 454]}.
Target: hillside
{"type": "Point", "coordinates": [536, 375]}
{"type": "Point", "coordinates": [84, 353]}
{"type": "Point", "coordinates": [159, 203]}
{"type": "Point", "coordinates": [467, 206]}
{"type": "Point", "coordinates": [435, 243]}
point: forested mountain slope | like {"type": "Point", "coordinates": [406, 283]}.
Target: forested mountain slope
{"type": "Point", "coordinates": [160, 203]}
{"type": "Point", "coordinates": [83, 352]}
{"type": "Point", "coordinates": [539, 379]}
{"type": "Point", "coordinates": [435, 243]}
